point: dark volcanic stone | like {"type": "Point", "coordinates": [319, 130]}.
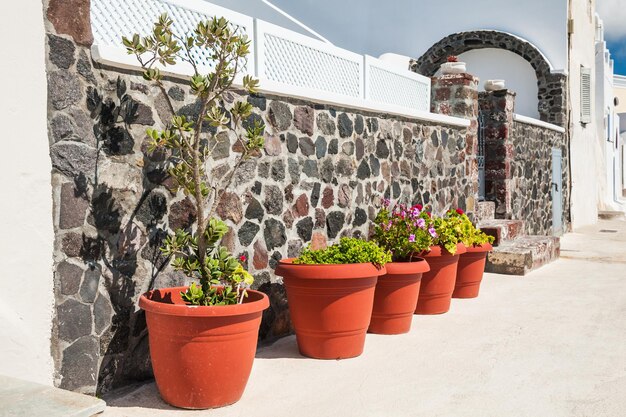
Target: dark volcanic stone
{"type": "Point", "coordinates": [176, 93]}
{"type": "Point", "coordinates": [89, 287]}
{"type": "Point", "coordinates": [278, 170]}
{"type": "Point", "coordinates": [358, 124]}
{"type": "Point", "coordinates": [61, 51]}
{"type": "Point", "coordinates": [83, 67]}
{"type": "Point", "coordinates": [292, 142]}
{"type": "Point", "coordinates": [294, 170]}
{"type": "Point", "coordinates": [257, 101]}
{"type": "Point", "coordinates": [315, 194]}
{"type": "Point", "coordinates": [320, 147]}
{"type": "Point", "coordinates": [374, 165]}
{"type": "Point", "coordinates": [325, 124]}
{"type": "Point", "coordinates": [102, 311]}
{"type": "Point", "coordinates": [247, 232]}
{"type": "Point", "coordinates": [279, 115]}
{"type": "Point", "coordinates": [363, 171]}
{"type": "Point", "coordinates": [333, 147]}
{"type": "Point", "coordinates": [310, 168]}
{"type": "Point", "coordinates": [73, 320]}
{"type": "Point", "coordinates": [68, 276]}
{"type": "Point", "coordinates": [273, 200]}
{"type": "Point", "coordinates": [306, 146]}
{"type": "Point", "coordinates": [305, 228]}
{"type": "Point", "coordinates": [274, 234]}
{"type": "Point", "coordinates": [328, 170]}
{"type": "Point", "coordinates": [382, 151]}
{"type": "Point", "coordinates": [345, 125]}
{"type": "Point", "coordinates": [63, 89]}
{"type": "Point", "coordinates": [360, 217]}
{"type": "Point", "coordinates": [256, 188]}
{"type": "Point", "coordinates": [72, 159]}
{"type": "Point", "coordinates": [334, 223]}
{"type": "Point", "coordinates": [152, 209]}
{"type": "Point", "coordinates": [255, 210]}
{"type": "Point", "coordinates": [79, 367]}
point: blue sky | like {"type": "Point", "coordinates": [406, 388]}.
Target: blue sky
{"type": "Point", "coordinates": [613, 14]}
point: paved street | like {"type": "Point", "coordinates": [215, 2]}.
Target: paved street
{"type": "Point", "coordinates": [550, 344]}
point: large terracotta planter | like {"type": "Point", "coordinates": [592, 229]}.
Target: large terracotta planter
{"type": "Point", "coordinates": [470, 271]}
{"type": "Point", "coordinates": [438, 283]}
{"type": "Point", "coordinates": [396, 297]}
{"type": "Point", "coordinates": [330, 306]}
{"type": "Point", "coordinates": [201, 356]}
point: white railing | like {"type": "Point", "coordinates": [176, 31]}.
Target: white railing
{"type": "Point", "coordinates": [112, 19]}
{"type": "Point", "coordinates": [289, 59]}
{"type": "Point", "coordinates": [287, 63]}
{"type": "Point", "coordinates": [386, 83]}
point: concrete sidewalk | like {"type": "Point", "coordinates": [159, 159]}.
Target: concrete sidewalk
{"type": "Point", "coordinates": [550, 344]}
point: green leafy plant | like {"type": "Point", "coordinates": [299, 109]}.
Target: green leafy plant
{"type": "Point", "coordinates": [402, 230]}
{"type": "Point", "coordinates": [470, 235]}
{"type": "Point", "coordinates": [347, 251]}
{"type": "Point", "coordinates": [223, 279]}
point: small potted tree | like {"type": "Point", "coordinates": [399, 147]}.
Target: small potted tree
{"type": "Point", "coordinates": [438, 283]}
{"type": "Point", "coordinates": [471, 265]}
{"type": "Point", "coordinates": [203, 337]}
{"type": "Point", "coordinates": [330, 294]}
{"type": "Point", "coordinates": [402, 231]}
{"type": "Point", "coordinates": [453, 66]}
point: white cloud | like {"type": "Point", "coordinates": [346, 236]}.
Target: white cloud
{"type": "Point", "coordinates": [613, 14]}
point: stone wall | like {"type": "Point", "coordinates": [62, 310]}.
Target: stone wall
{"type": "Point", "coordinates": [531, 170]}
{"type": "Point", "coordinates": [518, 164]}
{"type": "Point", "coordinates": [321, 175]}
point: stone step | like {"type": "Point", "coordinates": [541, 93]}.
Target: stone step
{"type": "Point", "coordinates": [611, 215]}
{"type": "Point", "coordinates": [485, 210]}
{"type": "Point", "coordinates": [502, 230]}
{"type": "Point", "coordinates": [523, 254]}
{"type": "Point", "coordinates": [19, 398]}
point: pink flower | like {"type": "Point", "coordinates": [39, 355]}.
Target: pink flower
{"type": "Point", "coordinates": [386, 202]}
{"type": "Point", "coordinates": [432, 232]}
{"type": "Point", "coordinates": [412, 238]}
{"type": "Point", "coordinates": [421, 223]}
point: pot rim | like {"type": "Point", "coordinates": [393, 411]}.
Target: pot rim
{"type": "Point", "coordinates": [256, 302]}
{"type": "Point", "coordinates": [327, 271]}
{"type": "Point", "coordinates": [417, 265]}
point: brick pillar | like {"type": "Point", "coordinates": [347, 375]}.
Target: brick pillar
{"type": "Point", "coordinates": [457, 95]}
{"type": "Point", "coordinates": [496, 109]}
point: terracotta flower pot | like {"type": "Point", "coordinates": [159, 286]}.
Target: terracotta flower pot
{"type": "Point", "coordinates": [396, 297]}
{"type": "Point", "coordinates": [330, 306]}
{"type": "Point", "coordinates": [201, 356]}
{"type": "Point", "coordinates": [470, 271]}
{"type": "Point", "coordinates": [438, 283]}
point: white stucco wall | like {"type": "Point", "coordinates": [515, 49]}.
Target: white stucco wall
{"type": "Point", "coordinates": [586, 161]}
{"type": "Point", "coordinates": [26, 294]}
{"type": "Point", "coordinates": [410, 27]}
{"type": "Point", "coordinates": [490, 64]}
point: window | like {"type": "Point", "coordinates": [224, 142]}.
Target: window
{"type": "Point", "coordinates": [585, 95]}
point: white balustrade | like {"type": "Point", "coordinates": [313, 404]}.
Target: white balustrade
{"type": "Point", "coordinates": [287, 63]}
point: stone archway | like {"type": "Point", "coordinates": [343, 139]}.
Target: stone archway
{"type": "Point", "coordinates": [552, 93]}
